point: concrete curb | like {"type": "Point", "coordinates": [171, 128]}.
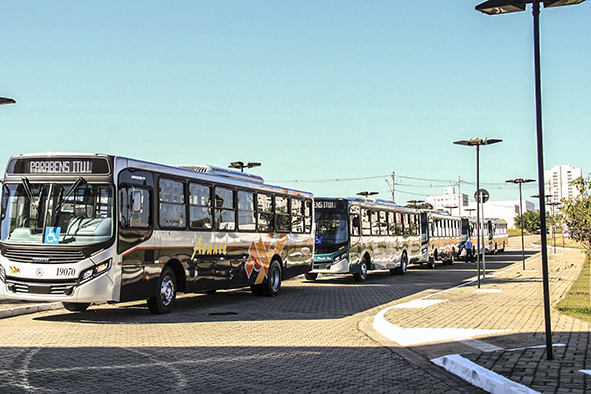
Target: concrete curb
{"type": "Point", "coordinates": [23, 310]}
{"type": "Point", "coordinates": [479, 376]}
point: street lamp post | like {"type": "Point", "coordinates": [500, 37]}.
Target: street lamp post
{"type": "Point", "coordinates": [553, 204]}
{"type": "Point", "coordinates": [520, 181]}
{"type": "Point", "coordinates": [241, 165]}
{"type": "Point", "coordinates": [494, 7]}
{"type": "Point", "coordinates": [477, 142]}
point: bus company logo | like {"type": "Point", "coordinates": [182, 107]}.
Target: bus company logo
{"type": "Point", "coordinates": [14, 270]}
{"type": "Point", "coordinates": [205, 248]}
{"type": "Point", "coordinates": [39, 272]}
{"type": "Point", "coordinates": [260, 254]}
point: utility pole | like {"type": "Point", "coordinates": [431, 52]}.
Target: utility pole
{"type": "Point", "coordinates": [460, 199]}
{"type": "Point", "coordinates": [393, 185]}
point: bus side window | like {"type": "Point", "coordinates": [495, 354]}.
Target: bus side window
{"type": "Point", "coordinates": [172, 203]}
{"type": "Point", "coordinates": [246, 215]}
{"type": "Point", "coordinates": [365, 222]}
{"type": "Point", "coordinates": [282, 217]}
{"type": "Point", "coordinates": [200, 214]}
{"type": "Point", "coordinates": [225, 210]}
{"type": "Point", "coordinates": [135, 208]}
{"type": "Point", "coordinates": [265, 213]}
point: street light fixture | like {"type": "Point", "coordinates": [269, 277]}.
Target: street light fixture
{"type": "Point", "coordinates": [477, 142]}
{"type": "Point", "coordinates": [6, 100]}
{"type": "Point", "coordinates": [520, 181]}
{"type": "Point", "coordinates": [366, 193]}
{"type": "Point", "coordinates": [242, 166]}
{"type": "Point", "coordinates": [493, 7]}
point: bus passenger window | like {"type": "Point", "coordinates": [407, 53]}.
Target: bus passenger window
{"type": "Point", "coordinates": [265, 213]}
{"type": "Point", "coordinates": [297, 216]}
{"type": "Point", "coordinates": [172, 203]}
{"type": "Point", "coordinates": [225, 213]}
{"type": "Point", "coordinates": [246, 216]}
{"type": "Point", "coordinates": [365, 222]}
{"type": "Point", "coordinates": [283, 223]}
{"type": "Point", "coordinates": [200, 215]}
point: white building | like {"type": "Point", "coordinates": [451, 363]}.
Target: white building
{"type": "Point", "coordinates": [449, 201]}
{"type": "Point", "coordinates": [558, 182]}
{"type": "Point", "coordinates": [501, 209]}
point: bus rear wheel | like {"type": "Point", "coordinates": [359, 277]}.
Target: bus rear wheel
{"type": "Point", "coordinates": [273, 285]}
{"type": "Point", "coordinates": [163, 302]}
{"type": "Point", "coordinates": [362, 274]}
{"type": "Point", "coordinates": [76, 306]}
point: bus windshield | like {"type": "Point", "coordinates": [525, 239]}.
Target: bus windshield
{"type": "Point", "coordinates": [56, 213]}
{"type": "Point", "coordinates": [331, 231]}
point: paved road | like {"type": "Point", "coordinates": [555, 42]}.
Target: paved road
{"type": "Point", "coordinates": [311, 338]}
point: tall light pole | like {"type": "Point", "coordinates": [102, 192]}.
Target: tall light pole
{"type": "Point", "coordinates": [241, 165]}
{"type": "Point", "coordinates": [477, 142]}
{"type": "Point", "coordinates": [520, 181]}
{"type": "Point", "coordinates": [494, 7]}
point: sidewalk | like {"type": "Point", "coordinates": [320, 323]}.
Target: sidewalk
{"type": "Point", "coordinates": [499, 329]}
{"type": "Point", "coordinates": [10, 308]}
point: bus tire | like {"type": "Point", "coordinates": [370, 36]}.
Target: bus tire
{"type": "Point", "coordinates": [76, 306]}
{"type": "Point", "coordinates": [271, 287]}
{"type": "Point", "coordinates": [311, 276]}
{"type": "Point", "coordinates": [362, 274]}
{"type": "Point", "coordinates": [403, 265]}
{"type": "Point", "coordinates": [163, 302]}
{"type": "Point", "coordinates": [431, 263]}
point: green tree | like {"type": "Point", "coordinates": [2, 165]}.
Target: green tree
{"type": "Point", "coordinates": [531, 221]}
{"type": "Point", "coordinates": [575, 213]}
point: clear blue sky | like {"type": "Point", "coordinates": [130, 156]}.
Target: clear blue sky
{"type": "Point", "coordinates": [315, 90]}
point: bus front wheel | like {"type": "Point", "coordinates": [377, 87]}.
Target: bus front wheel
{"type": "Point", "coordinates": [164, 300]}
{"type": "Point", "coordinates": [362, 274]}
{"type": "Point", "coordinates": [76, 306]}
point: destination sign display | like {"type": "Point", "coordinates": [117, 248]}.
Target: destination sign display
{"type": "Point", "coordinates": [65, 166]}
{"type": "Point", "coordinates": [330, 204]}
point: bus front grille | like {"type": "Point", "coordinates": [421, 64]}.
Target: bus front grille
{"type": "Point", "coordinates": [39, 288]}
{"type": "Point", "coordinates": [43, 257]}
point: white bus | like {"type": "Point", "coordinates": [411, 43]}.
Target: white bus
{"type": "Point", "coordinates": [441, 235]}
{"type": "Point", "coordinates": [494, 236]}
{"type": "Point", "coordinates": [93, 228]}
{"type": "Point", "coordinates": [354, 236]}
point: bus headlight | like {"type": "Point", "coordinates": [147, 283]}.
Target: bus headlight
{"type": "Point", "coordinates": [95, 271]}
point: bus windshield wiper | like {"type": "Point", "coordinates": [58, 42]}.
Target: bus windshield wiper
{"type": "Point", "coordinates": [27, 187]}
{"type": "Point", "coordinates": [62, 198]}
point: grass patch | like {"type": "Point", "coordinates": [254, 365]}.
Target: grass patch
{"type": "Point", "coordinates": [577, 302]}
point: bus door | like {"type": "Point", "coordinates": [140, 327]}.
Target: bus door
{"type": "Point", "coordinates": [424, 236]}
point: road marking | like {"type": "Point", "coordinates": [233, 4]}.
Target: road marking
{"type": "Point", "coordinates": [480, 345]}
{"type": "Point", "coordinates": [587, 371]}
{"type": "Point", "coordinates": [417, 304]}
{"type": "Point", "coordinates": [416, 336]}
